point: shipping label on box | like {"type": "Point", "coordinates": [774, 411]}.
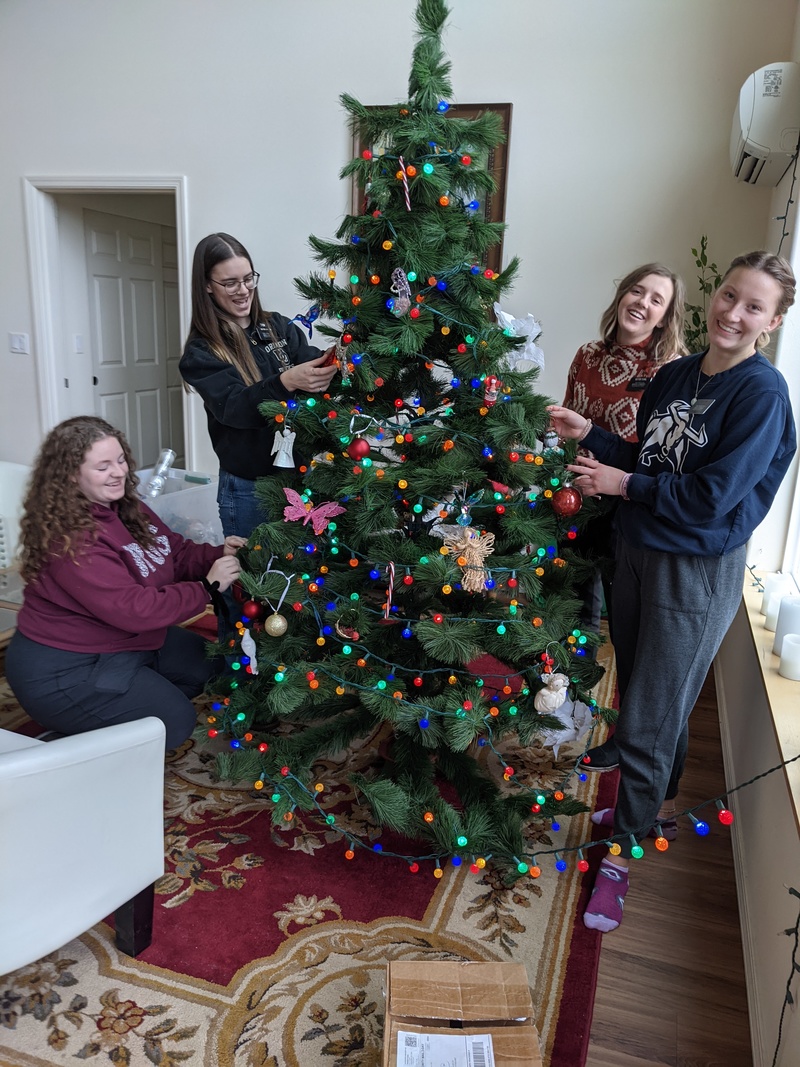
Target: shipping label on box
{"type": "Point", "coordinates": [444, 1050]}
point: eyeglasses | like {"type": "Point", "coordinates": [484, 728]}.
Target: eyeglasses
{"type": "Point", "coordinates": [250, 281]}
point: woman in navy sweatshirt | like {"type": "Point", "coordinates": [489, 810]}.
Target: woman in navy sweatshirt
{"type": "Point", "coordinates": [716, 437]}
{"type": "Point", "coordinates": [97, 641]}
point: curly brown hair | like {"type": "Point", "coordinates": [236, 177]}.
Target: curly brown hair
{"type": "Point", "coordinates": [55, 512]}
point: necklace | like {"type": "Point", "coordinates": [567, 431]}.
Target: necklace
{"type": "Point", "coordinates": [700, 407]}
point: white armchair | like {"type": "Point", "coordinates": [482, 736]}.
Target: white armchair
{"type": "Point", "coordinates": [81, 836]}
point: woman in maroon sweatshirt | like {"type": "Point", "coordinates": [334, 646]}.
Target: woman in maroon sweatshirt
{"type": "Point", "coordinates": [97, 639]}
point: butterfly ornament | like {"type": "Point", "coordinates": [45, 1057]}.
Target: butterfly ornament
{"type": "Point", "coordinates": [318, 516]}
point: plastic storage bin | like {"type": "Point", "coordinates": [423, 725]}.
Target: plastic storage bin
{"type": "Point", "coordinates": [13, 482]}
{"type": "Point", "coordinates": [187, 504]}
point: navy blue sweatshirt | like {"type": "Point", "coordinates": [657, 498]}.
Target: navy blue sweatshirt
{"type": "Point", "coordinates": [703, 479]}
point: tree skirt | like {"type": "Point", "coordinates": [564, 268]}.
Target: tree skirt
{"type": "Point", "coordinates": [270, 947]}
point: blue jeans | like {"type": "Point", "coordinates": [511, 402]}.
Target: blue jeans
{"type": "Point", "coordinates": [239, 511]}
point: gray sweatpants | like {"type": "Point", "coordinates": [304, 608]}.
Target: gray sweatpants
{"type": "Point", "coordinates": [670, 615]}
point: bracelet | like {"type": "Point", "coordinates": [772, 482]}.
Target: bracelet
{"type": "Point", "coordinates": [585, 430]}
{"type": "Point", "coordinates": [623, 486]}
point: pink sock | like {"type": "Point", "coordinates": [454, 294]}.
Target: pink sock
{"type": "Point", "coordinates": [604, 910]}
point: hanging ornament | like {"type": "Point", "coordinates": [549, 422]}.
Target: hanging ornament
{"type": "Point", "coordinates": [249, 649]}
{"type": "Point", "coordinates": [251, 609]}
{"type": "Point", "coordinates": [402, 291]}
{"type": "Point", "coordinates": [404, 179]}
{"type": "Point", "coordinates": [387, 607]}
{"type": "Point", "coordinates": [276, 626]}
{"type": "Point", "coordinates": [553, 694]}
{"type": "Point", "coordinates": [567, 501]}
{"type": "Point", "coordinates": [318, 516]}
{"type": "Point", "coordinates": [358, 448]}
{"type": "Point", "coordinates": [550, 441]}
{"type": "Point", "coordinates": [492, 386]}
{"type": "Point", "coordinates": [346, 631]}
{"type": "Point", "coordinates": [473, 547]}
{"type": "Point", "coordinates": [464, 519]}
{"type": "Point", "coordinates": [282, 448]}
{"type": "Point", "coordinates": [310, 317]}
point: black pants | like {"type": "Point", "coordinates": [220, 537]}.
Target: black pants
{"type": "Point", "coordinates": [671, 614]}
{"type": "Point", "coordinates": [71, 692]}
{"type": "Point", "coordinates": [599, 540]}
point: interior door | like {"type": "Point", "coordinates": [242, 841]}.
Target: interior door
{"type": "Point", "coordinates": [134, 330]}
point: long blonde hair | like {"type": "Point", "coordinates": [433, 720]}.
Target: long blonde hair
{"type": "Point", "coordinates": [667, 338]}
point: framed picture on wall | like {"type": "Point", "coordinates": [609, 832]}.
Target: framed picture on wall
{"type": "Point", "coordinates": [493, 205]}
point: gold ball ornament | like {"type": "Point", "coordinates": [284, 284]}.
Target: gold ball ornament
{"type": "Point", "coordinates": [276, 625]}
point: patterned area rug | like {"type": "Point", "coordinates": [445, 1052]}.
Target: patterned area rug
{"type": "Point", "coordinates": [270, 947]}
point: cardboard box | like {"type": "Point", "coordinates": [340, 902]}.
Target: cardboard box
{"type": "Point", "coordinates": [445, 997]}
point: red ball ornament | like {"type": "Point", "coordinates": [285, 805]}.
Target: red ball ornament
{"type": "Point", "coordinates": [567, 501]}
{"type": "Point", "coordinates": [414, 313]}
{"type": "Point", "coordinates": [358, 448]}
{"type": "Point", "coordinates": [366, 154]}
{"type": "Point", "coordinates": [251, 609]}
{"type": "Point", "coordinates": [347, 338]}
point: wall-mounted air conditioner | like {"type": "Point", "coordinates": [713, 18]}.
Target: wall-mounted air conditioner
{"type": "Point", "coordinates": [766, 124]}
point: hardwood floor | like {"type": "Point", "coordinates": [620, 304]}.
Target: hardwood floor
{"type": "Point", "coordinates": [671, 987]}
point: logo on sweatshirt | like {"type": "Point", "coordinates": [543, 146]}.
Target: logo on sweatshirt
{"type": "Point", "coordinates": [148, 559]}
{"type": "Point", "coordinates": [668, 437]}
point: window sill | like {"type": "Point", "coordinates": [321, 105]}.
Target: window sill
{"type": "Point", "coordinates": [783, 694]}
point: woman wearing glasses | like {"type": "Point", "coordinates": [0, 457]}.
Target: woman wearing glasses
{"type": "Point", "coordinates": [236, 357]}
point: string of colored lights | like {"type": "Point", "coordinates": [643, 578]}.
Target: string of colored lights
{"type": "Point", "coordinates": [788, 999]}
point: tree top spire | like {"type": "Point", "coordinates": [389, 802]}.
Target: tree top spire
{"type": "Point", "coordinates": [429, 81]}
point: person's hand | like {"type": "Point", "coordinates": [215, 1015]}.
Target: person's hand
{"type": "Point", "coordinates": [233, 544]}
{"type": "Point", "coordinates": [566, 423]}
{"type": "Point", "coordinates": [312, 376]}
{"type": "Point", "coordinates": [595, 479]}
{"type": "Point", "coordinates": [225, 571]}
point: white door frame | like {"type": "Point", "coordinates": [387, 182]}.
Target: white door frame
{"type": "Point", "coordinates": [41, 227]}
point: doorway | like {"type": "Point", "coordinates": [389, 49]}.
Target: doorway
{"type": "Point", "coordinates": [110, 283]}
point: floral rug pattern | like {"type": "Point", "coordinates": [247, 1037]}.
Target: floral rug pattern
{"type": "Point", "coordinates": [308, 989]}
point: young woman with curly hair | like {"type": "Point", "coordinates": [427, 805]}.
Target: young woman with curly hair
{"type": "Point", "coordinates": [97, 639]}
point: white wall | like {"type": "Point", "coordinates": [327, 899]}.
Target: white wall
{"type": "Point", "coordinates": [618, 154]}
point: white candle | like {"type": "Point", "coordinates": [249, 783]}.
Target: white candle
{"type": "Point", "coordinates": [790, 657]}
{"type": "Point", "coordinates": [774, 601]}
{"type": "Point", "coordinates": [772, 583]}
{"type": "Point", "coordinates": [788, 621]}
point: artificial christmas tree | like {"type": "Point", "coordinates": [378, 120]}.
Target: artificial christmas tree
{"type": "Point", "coordinates": [415, 581]}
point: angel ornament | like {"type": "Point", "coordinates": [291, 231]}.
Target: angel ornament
{"type": "Point", "coordinates": [575, 716]}
{"type": "Point", "coordinates": [554, 693]}
{"type": "Point", "coordinates": [471, 547]}
{"type": "Point", "coordinates": [282, 448]}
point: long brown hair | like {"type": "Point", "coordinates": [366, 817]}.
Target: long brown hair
{"type": "Point", "coordinates": [667, 338]}
{"type": "Point", "coordinates": [224, 338]}
{"type": "Point", "coordinates": [57, 517]}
